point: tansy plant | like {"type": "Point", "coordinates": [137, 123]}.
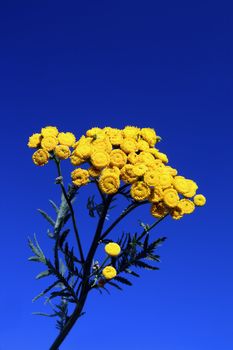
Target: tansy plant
{"type": "Point", "coordinates": [118, 162]}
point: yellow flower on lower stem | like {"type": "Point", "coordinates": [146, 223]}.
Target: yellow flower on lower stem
{"type": "Point", "coordinates": [109, 272]}
{"type": "Point", "coordinates": [109, 183]}
{"type": "Point", "coordinates": [171, 171]}
{"type": "Point", "coordinates": [118, 158]}
{"type": "Point", "coordinates": [80, 177]}
{"type": "Point", "coordinates": [66, 138]}
{"type": "Point", "coordinates": [62, 151]}
{"type": "Point", "coordinates": [186, 206]}
{"type": "Point", "coordinates": [100, 159]}
{"type": "Point", "coordinates": [49, 143]}
{"type": "Point", "coordinates": [199, 200]}
{"type": "Point", "coordinates": [140, 191]}
{"type": "Point", "coordinates": [40, 157]}
{"type": "Point", "coordinates": [112, 249]}
{"type": "Point", "coordinates": [127, 174]}
{"type": "Point", "coordinates": [34, 140]}
{"type": "Point", "coordinates": [49, 131]}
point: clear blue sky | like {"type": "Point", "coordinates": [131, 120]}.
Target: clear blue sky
{"type": "Point", "coordinates": [166, 65]}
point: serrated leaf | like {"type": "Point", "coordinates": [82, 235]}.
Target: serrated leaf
{"type": "Point", "coordinates": [45, 291]}
{"type": "Point", "coordinates": [123, 280]}
{"type": "Point", "coordinates": [47, 217]}
{"type": "Point", "coordinates": [115, 285]}
{"type": "Point", "coordinates": [44, 314]}
{"type": "Point", "coordinates": [132, 273]}
{"type": "Point", "coordinates": [144, 265]}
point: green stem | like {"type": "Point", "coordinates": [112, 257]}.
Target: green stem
{"type": "Point", "coordinates": [71, 211]}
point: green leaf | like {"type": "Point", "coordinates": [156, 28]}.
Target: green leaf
{"type": "Point", "coordinates": [43, 274]}
{"type": "Point", "coordinates": [47, 217]}
{"type": "Point", "coordinates": [123, 280]}
{"type": "Point", "coordinates": [54, 206]}
{"type": "Point", "coordinates": [44, 314]}
{"type": "Point", "coordinates": [45, 291]}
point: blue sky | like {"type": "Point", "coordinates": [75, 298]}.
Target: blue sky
{"type": "Point", "coordinates": [164, 65]}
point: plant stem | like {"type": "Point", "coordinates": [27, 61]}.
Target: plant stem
{"type": "Point", "coordinates": [122, 215]}
{"type": "Point", "coordinates": [71, 211]}
{"type": "Point", "coordinates": [85, 284]}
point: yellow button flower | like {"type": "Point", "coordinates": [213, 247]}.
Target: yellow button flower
{"type": "Point", "coordinates": [49, 143]}
{"type": "Point", "coordinates": [109, 272]}
{"type": "Point", "coordinates": [149, 135]}
{"type": "Point", "coordinates": [139, 169]}
{"type": "Point", "coordinates": [140, 191]}
{"type": "Point", "coordinates": [128, 145]}
{"type": "Point", "coordinates": [181, 184]}
{"type": "Point", "coordinates": [199, 200]}
{"type": "Point", "coordinates": [76, 160]}
{"type": "Point", "coordinates": [131, 131]}
{"type": "Point", "coordinates": [192, 189]}
{"type": "Point", "coordinates": [170, 197]}
{"type": "Point", "coordinates": [133, 158]}
{"type": "Point", "coordinates": [102, 144]}
{"type": "Point", "coordinates": [118, 158]}
{"type": "Point", "coordinates": [127, 174]}
{"type": "Point", "coordinates": [109, 183]}
{"type": "Point", "coordinates": [49, 131]}
{"type": "Point", "coordinates": [151, 178]}
{"type": "Point", "coordinates": [112, 249]}
{"type": "Point", "coordinates": [66, 139]}
{"type": "Point", "coordinates": [146, 158]}
{"type": "Point", "coordinates": [62, 151]}
{"type": "Point", "coordinates": [143, 145]}
{"type": "Point", "coordinates": [40, 157]}
{"type": "Point", "coordinates": [100, 159]}
{"type": "Point", "coordinates": [94, 132]}
{"type": "Point", "coordinates": [83, 150]}
{"type": "Point", "coordinates": [176, 213]}
{"type": "Point", "coordinates": [186, 206]}
{"type": "Point", "coordinates": [34, 140]}
{"type": "Point", "coordinates": [165, 180]}
{"type": "Point", "coordinates": [80, 177]}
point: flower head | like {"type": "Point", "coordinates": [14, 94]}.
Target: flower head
{"type": "Point", "coordinates": [40, 157]}
{"type": "Point", "coordinates": [112, 249]}
{"type": "Point", "coordinates": [109, 272]}
{"type": "Point", "coordinates": [34, 140]}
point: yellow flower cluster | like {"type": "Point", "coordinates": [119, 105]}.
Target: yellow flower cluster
{"type": "Point", "coordinates": [129, 155]}
{"type": "Point", "coordinates": [51, 142]}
